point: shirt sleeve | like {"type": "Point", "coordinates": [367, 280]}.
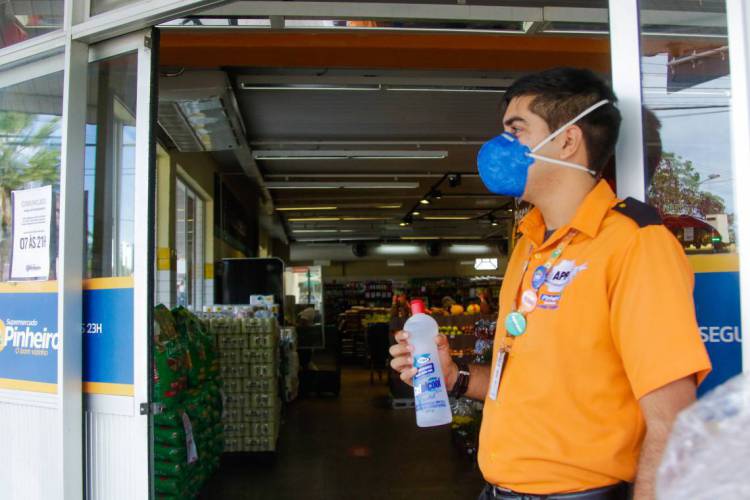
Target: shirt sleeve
{"type": "Point", "coordinates": [652, 315]}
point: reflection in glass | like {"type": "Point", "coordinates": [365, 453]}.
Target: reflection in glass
{"type": "Point", "coordinates": [189, 247]}
{"type": "Point", "coordinates": [110, 167]}
{"type": "Point", "coordinates": [686, 90]}
{"type": "Point", "coordinates": [29, 152]}
{"type": "Point", "coordinates": [22, 20]}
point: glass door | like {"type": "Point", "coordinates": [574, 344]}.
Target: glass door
{"type": "Point", "coordinates": [116, 291]}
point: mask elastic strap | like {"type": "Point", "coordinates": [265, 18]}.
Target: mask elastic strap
{"type": "Point", "coordinates": [562, 163]}
{"type": "Point", "coordinates": [559, 131]}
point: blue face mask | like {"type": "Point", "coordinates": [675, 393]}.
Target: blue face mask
{"type": "Point", "coordinates": [504, 162]}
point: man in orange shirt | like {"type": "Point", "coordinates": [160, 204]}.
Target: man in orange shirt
{"type": "Point", "coordinates": [597, 348]}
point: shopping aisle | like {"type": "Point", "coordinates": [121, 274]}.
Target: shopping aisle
{"type": "Point", "coordinates": [353, 447]}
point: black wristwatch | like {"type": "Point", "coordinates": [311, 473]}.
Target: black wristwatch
{"type": "Point", "coordinates": [462, 381]}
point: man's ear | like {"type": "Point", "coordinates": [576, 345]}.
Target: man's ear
{"type": "Point", "coordinates": [573, 142]}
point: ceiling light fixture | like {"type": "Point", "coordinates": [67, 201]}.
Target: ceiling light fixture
{"type": "Point", "coordinates": [388, 206]}
{"type": "Point", "coordinates": [454, 180]}
{"type": "Point", "coordinates": [447, 217]}
{"type": "Point", "coordinates": [307, 86]}
{"type": "Point", "coordinates": [342, 185]}
{"type": "Point", "coordinates": [317, 154]}
{"type": "Point", "coordinates": [416, 212]}
{"type": "Point", "coordinates": [322, 230]}
{"type": "Point", "coordinates": [314, 219]}
{"type": "Point", "coordinates": [425, 201]}
{"type": "Point", "coordinates": [435, 194]}
{"type": "Point", "coordinates": [296, 209]}
{"type": "Point", "coordinates": [398, 249]}
{"type": "Point", "coordinates": [363, 218]}
{"type": "Point", "coordinates": [406, 221]}
{"type": "Point", "coordinates": [494, 221]}
{"type": "Point", "coordinates": [445, 89]}
{"type": "Point", "coordinates": [468, 249]}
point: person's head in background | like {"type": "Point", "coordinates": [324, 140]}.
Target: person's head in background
{"type": "Point", "coordinates": [538, 104]}
{"type": "Point", "coordinates": [652, 150]}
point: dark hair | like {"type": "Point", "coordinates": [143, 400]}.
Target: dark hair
{"type": "Point", "coordinates": [560, 94]}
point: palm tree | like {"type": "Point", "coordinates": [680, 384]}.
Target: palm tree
{"type": "Point", "coordinates": [28, 153]}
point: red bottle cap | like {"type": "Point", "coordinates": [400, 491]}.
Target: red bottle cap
{"type": "Point", "coordinates": [417, 306]}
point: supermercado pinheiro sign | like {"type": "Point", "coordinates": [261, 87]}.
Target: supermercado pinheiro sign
{"type": "Point", "coordinates": [29, 340]}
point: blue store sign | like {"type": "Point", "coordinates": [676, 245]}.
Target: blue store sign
{"type": "Point", "coordinates": [29, 340]}
{"type": "Point", "coordinates": [108, 336]}
{"type": "Point", "coordinates": [717, 304]}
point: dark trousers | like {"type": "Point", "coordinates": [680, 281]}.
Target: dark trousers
{"type": "Point", "coordinates": [620, 491]}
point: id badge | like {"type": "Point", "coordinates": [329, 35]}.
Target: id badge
{"type": "Point", "coordinates": [497, 374]}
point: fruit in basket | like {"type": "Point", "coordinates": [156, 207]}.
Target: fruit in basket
{"type": "Point", "coordinates": [473, 309]}
{"type": "Point", "coordinates": [457, 310]}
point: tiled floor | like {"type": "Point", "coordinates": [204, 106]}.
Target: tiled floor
{"type": "Point", "coordinates": [352, 447]}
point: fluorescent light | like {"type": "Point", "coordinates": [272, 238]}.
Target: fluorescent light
{"type": "Point", "coordinates": [388, 206]}
{"type": "Point", "coordinates": [295, 209]}
{"type": "Point", "coordinates": [319, 87]}
{"type": "Point", "coordinates": [489, 264]}
{"type": "Point", "coordinates": [314, 219]}
{"type": "Point", "coordinates": [363, 218]}
{"type": "Point", "coordinates": [468, 249]}
{"type": "Point", "coordinates": [420, 237]}
{"type": "Point", "coordinates": [446, 89]}
{"type": "Point", "coordinates": [322, 230]}
{"type": "Point", "coordinates": [342, 185]}
{"type": "Point", "coordinates": [447, 217]}
{"type": "Point", "coordinates": [398, 250]}
{"type": "Point", "coordinates": [395, 263]}
{"type": "Point", "coordinates": [317, 154]}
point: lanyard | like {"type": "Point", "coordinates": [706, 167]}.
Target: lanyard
{"type": "Point", "coordinates": [516, 321]}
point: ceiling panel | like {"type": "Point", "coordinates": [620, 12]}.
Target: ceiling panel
{"type": "Point", "coordinates": [370, 115]}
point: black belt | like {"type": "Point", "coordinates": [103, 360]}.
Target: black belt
{"type": "Point", "coordinates": [619, 491]}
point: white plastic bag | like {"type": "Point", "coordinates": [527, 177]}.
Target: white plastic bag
{"type": "Point", "coordinates": [708, 454]}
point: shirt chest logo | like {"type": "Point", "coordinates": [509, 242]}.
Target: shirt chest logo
{"type": "Point", "coordinates": [562, 275]}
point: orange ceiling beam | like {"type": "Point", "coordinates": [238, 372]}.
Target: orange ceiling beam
{"type": "Point", "coordinates": [434, 51]}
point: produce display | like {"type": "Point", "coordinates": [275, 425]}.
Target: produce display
{"type": "Point", "coordinates": [340, 297]}
{"type": "Point", "coordinates": [188, 436]}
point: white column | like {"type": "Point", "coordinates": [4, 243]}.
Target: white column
{"type": "Point", "coordinates": [626, 82]}
{"type": "Point", "coordinates": [70, 264]}
{"type": "Point", "coordinates": [738, 20]}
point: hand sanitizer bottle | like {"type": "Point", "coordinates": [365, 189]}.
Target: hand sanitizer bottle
{"type": "Point", "coordinates": [430, 395]}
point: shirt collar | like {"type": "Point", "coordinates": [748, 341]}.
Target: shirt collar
{"type": "Point", "coordinates": [587, 220]}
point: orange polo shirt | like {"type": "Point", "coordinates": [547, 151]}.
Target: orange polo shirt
{"type": "Point", "coordinates": [615, 321]}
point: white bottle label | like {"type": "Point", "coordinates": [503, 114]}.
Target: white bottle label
{"type": "Point", "coordinates": [427, 384]}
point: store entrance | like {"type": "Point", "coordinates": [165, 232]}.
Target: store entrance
{"type": "Point", "coordinates": [309, 184]}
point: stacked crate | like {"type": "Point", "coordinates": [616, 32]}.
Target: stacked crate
{"type": "Point", "coordinates": [249, 350]}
